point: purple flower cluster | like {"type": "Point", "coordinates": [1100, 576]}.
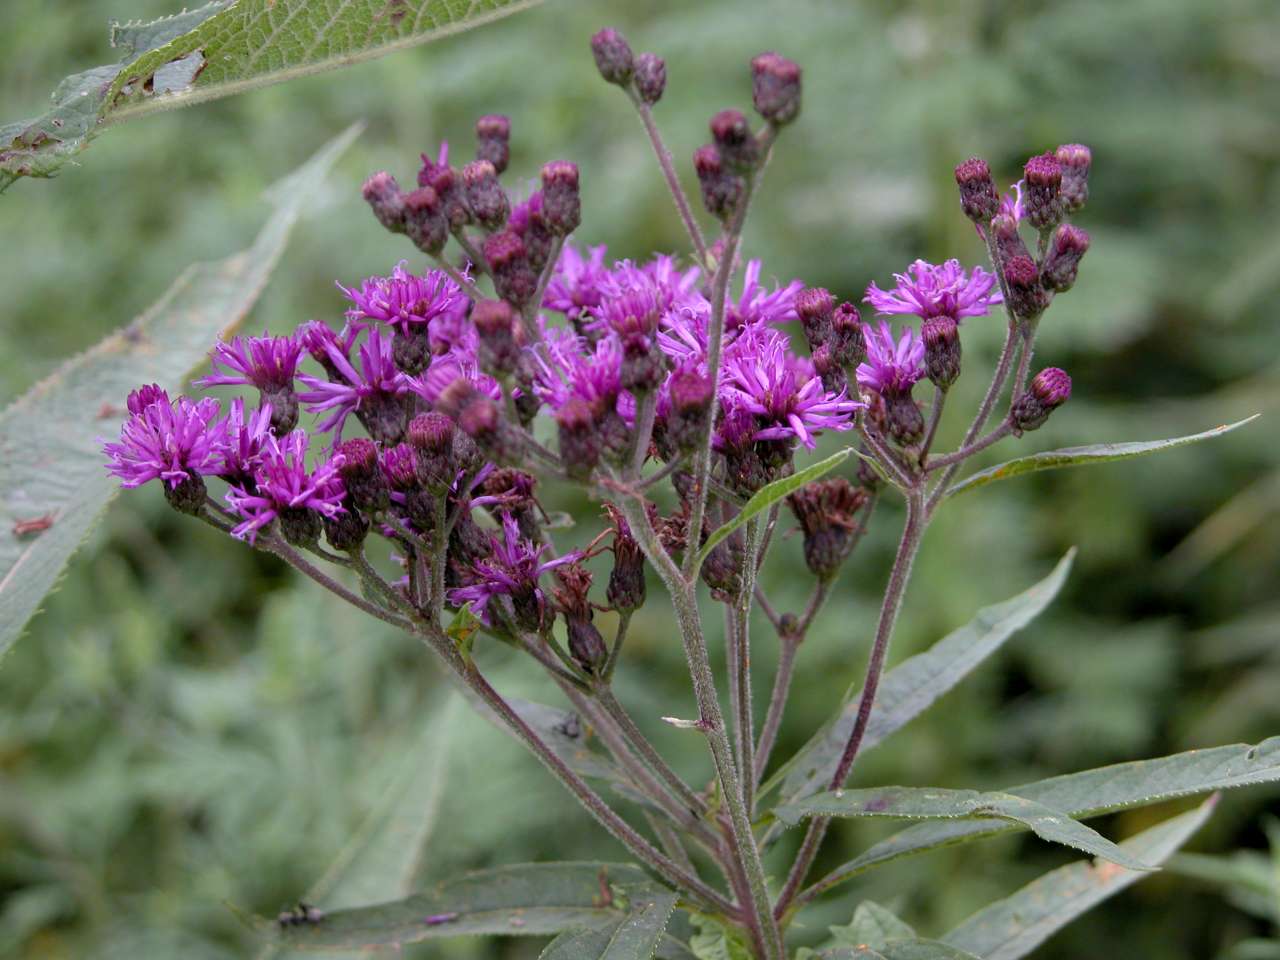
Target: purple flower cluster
{"type": "Point", "coordinates": [168, 440]}
{"type": "Point", "coordinates": [512, 569]}
{"type": "Point", "coordinates": [929, 291]}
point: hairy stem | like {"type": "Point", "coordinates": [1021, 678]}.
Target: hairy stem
{"type": "Point", "coordinates": [935, 418]}
{"type": "Point", "coordinates": [790, 645]}
{"type": "Point", "coordinates": [669, 174]}
{"type": "Point", "coordinates": [964, 453]}
{"type": "Point", "coordinates": [744, 721]}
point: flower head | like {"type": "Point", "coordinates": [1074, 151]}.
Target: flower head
{"type": "Point", "coordinates": [758, 305]}
{"type": "Point", "coordinates": [284, 484]}
{"type": "Point", "coordinates": [246, 440]}
{"type": "Point", "coordinates": [892, 366]}
{"type": "Point", "coordinates": [404, 300]}
{"type": "Point", "coordinates": [684, 326]}
{"type": "Point", "coordinates": [568, 366]}
{"type": "Point", "coordinates": [512, 570]}
{"type": "Point", "coordinates": [168, 440]}
{"type": "Point", "coordinates": [575, 287]}
{"type": "Point", "coordinates": [377, 380]}
{"type": "Point", "coordinates": [930, 291]}
{"type": "Point", "coordinates": [266, 362]}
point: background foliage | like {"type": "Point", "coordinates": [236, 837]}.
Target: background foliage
{"type": "Point", "coordinates": [186, 726]}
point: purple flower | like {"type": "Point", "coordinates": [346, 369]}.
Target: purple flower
{"type": "Point", "coordinates": [763, 377]}
{"type": "Point", "coordinates": [266, 362]}
{"type": "Point", "coordinates": [758, 305]}
{"type": "Point", "coordinates": [892, 366]}
{"type": "Point", "coordinates": [404, 299]}
{"type": "Point", "coordinates": [566, 365]}
{"type": "Point", "coordinates": [684, 326]}
{"type": "Point", "coordinates": [167, 440]}
{"type": "Point", "coordinates": [457, 364]}
{"type": "Point", "coordinates": [246, 440]}
{"type": "Point", "coordinates": [284, 484]}
{"type": "Point", "coordinates": [935, 291]}
{"type": "Point", "coordinates": [378, 379]}
{"type": "Point", "coordinates": [511, 570]}
{"type": "Point", "coordinates": [575, 287]}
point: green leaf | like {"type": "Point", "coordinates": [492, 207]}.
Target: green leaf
{"type": "Point", "coordinates": [872, 926]}
{"type": "Point", "coordinates": [51, 462]}
{"type": "Point", "coordinates": [1078, 456]}
{"type": "Point", "coordinates": [912, 686]}
{"type": "Point", "coordinates": [634, 937]}
{"type": "Point", "coordinates": [915, 949]}
{"type": "Point", "coordinates": [1088, 794]}
{"type": "Point", "coordinates": [715, 941]}
{"type": "Point", "coordinates": [530, 899]}
{"type": "Point", "coordinates": [1015, 926]}
{"type": "Point", "coordinates": [221, 48]}
{"type": "Point", "coordinates": [932, 803]}
{"type": "Point", "coordinates": [770, 494]}
{"type": "Point", "coordinates": [382, 859]}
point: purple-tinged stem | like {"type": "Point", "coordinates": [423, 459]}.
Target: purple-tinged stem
{"type": "Point", "coordinates": [935, 418]}
{"type": "Point", "coordinates": [964, 453]}
{"type": "Point", "coordinates": [777, 703]}
{"type": "Point", "coordinates": [669, 174]}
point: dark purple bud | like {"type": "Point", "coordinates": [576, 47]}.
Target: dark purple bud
{"type": "Point", "coordinates": [1027, 299]}
{"type": "Point", "coordinates": [848, 343]}
{"type": "Point", "coordinates": [613, 56]}
{"type": "Point", "coordinates": [493, 141]}
{"type": "Point", "coordinates": [586, 646]}
{"type": "Point", "coordinates": [300, 526]}
{"type": "Point", "coordinates": [383, 195]}
{"type": "Point", "coordinates": [495, 323]}
{"type": "Point", "coordinates": [383, 416]}
{"type": "Point", "coordinates": [721, 190]}
{"type": "Point", "coordinates": [1050, 389]}
{"type": "Point", "coordinates": [825, 511]}
{"type": "Point", "coordinates": [941, 338]}
{"type": "Point", "coordinates": [833, 375]}
{"type": "Point", "coordinates": [979, 198]}
{"type": "Point", "coordinates": [732, 136]}
{"type": "Point", "coordinates": [284, 408]}
{"type": "Point", "coordinates": [513, 275]}
{"type": "Point", "coordinates": [448, 185]}
{"type": "Point", "coordinates": [626, 581]}
{"type": "Point", "coordinates": [532, 228]}
{"type": "Point", "coordinates": [903, 418]}
{"type": "Point", "coordinates": [400, 467]}
{"type": "Point", "coordinates": [651, 77]}
{"type": "Point", "coordinates": [346, 531]}
{"type": "Point", "coordinates": [188, 495]}
{"type": "Point", "coordinates": [775, 88]}
{"type": "Point", "coordinates": [424, 221]}
{"type": "Point", "coordinates": [1063, 260]}
{"type": "Point", "coordinates": [485, 196]}
{"type": "Point", "coordinates": [1008, 240]}
{"type": "Point", "coordinates": [561, 202]}
{"type": "Point", "coordinates": [432, 435]}
{"type": "Point", "coordinates": [1042, 179]}
{"type": "Point", "coordinates": [690, 394]}
{"type": "Point", "coordinates": [579, 445]}
{"type": "Point", "coordinates": [643, 362]}
{"type": "Point", "coordinates": [1075, 160]}
{"type": "Point", "coordinates": [722, 570]}
{"type": "Point", "coordinates": [362, 476]}
{"type": "Point", "coordinates": [411, 349]}
{"type": "Point", "coordinates": [815, 306]}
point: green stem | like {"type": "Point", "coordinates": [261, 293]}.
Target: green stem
{"type": "Point", "coordinates": [673, 182]}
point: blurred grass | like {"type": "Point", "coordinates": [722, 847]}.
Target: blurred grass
{"type": "Point", "coordinates": [187, 726]}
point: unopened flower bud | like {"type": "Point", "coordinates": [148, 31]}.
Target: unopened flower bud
{"type": "Point", "coordinates": [283, 401]}
{"type": "Point", "coordinates": [1042, 179]}
{"type": "Point", "coordinates": [493, 141]}
{"type": "Point", "coordinates": [833, 375]}
{"type": "Point", "coordinates": [626, 589]}
{"type": "Point", "coordinates": [848, 342]}
{"type": "Point", "coordinates": [432, 435]}
{"type": "Point", "coordinates": [495, 324]}
{"type": "Point", "coordinates": [721, 190]}
{"type": "Point", "coordinates": [1027, 299]}
{"type": "Point", "coordinates": [941, 338]}
{"type": "Point", "coordinates": [383, 195]}
{"type": "Point", "coordinates": [411, 349]}
{"type": "Point", "coordinates": [732, 136]}
{"type": "Point", "coordinates": [690, 393]}
{"type": "Point", "coordinates": [579, 445]}
{"type": "Point", "coordinates": [528, 223]}
{"type": "Point", "coordinates": [363, 478]}
{"type": "Point", "coordinates": [561, 202]}
{"type": "Point", "coordinates": [979, 198]}
{"type": "Point", "coordinates": [1049, 389]}
{"type": "Point", "coordinates": [448, 185]}
{"type": "Point", "coordinates": [1063, 260]}
{"type": "Point", "coordinates": [347, 530]}
{"type": "Point", "coordinates": [775, 88]}
{"type": "Point", "coordinates": [586, 646]}
{"type": "Point", "coordinates": [485, 196]}
{"type": "Point", "coordinates": [651, 77]}
{"type": "Point", "coordinates": [814, 306]}
{"type": "Point", "coordinates": [300, 526]}
{"type": "Point", "coordinates": [903, 418]}
{"type": "Point", "coordinates": [1075, 160]}
{"type": "Point", "coordinates": [613, 56]}
{"type": "Point", "coordinates": [722, 570]}
{"type": "Point", "coordinates": [643, 362]}
{"type": "Point", "coordinates": [513, 275]}
{"type": "Point", "coordinates": [188, 495]}
{"type": "Point", "coordinates": [424, 221]}
{"type": "Point", "coordinates": [1009, 243]}
{"type": "Point", "coordinates": [825, 510]}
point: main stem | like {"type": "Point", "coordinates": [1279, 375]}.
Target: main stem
{"type": "Point", "coordinates": [741, 641]}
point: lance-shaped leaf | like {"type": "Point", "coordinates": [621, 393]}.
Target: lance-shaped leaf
{"type": "Point", "coordinates": [221, 48]}
{"type": "Point", "coordinates": [53, 483]}
{"type": "Point", "coordinates": [530, 899]}
{"type": "Point", "coordinates": [931, 803]}
{"type": "Point", "coordinates": [893, 950]}
{"type": "Point", "coordinates": [1015, 926]}
{"type": "Point", "coordinates": [1081, 456]}
{"type": "Point", "coordinates": [872, 926]}
{"type": "Point", "coordinates": [634, 937]}
{"type": "Point", "coordinates": [912, 686]}
{"type": "Point", "coordinates": [771, 493]}
{"type": "Point", "coordinates": [1087, 794]}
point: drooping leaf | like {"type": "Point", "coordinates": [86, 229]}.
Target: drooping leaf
{"type": "Point", "coordinates": [634, 937]}
{"type": "Point", "coordinates": [1081, 456]}
{"type": "Point", "coordinates": [912, 686]}
{"type": "Point", "coordinates": [221, 48]}
{"type": "Point", "coordinates": [530, 899]}
{"type": "Point", "coordinates": [872, 926]}
{"type": "Point", "coordinates": [1088, 794]}
{"type": "Point", "coordinates": [382, 859]}
{"type": "Point", "coordinates": [771, 493]}
{"type": "Point", "coordinates": [1013, 927]}
{"type": "Point", "coordinates": [931, 803]}
{"type": "Point", "coordinates": [51, 464]}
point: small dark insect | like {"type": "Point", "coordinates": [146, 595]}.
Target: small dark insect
{"type": "Point", "coordinates": [304, 913]}
{"type": "Point", "coordinates": [23, 528]}
{"type": "Point", "coordinates": [438, 918]}
{"type": "Point", "coordinates": [570, 726]}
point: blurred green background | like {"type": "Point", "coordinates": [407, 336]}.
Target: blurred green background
{"type": "Point", "coordinates": [185, 726]}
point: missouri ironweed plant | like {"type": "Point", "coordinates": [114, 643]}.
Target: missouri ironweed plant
{"type": "Point", "coordinates": [687, 403]}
